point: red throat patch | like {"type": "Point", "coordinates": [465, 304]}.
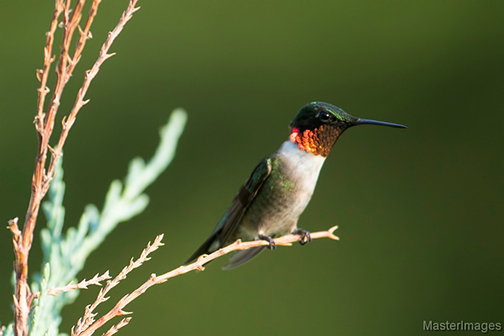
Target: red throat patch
{"type": "Point", "coordinates": [319, 141]}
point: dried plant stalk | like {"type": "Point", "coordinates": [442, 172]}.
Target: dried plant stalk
{"type": "Point", "coordinates": [88, 78]}
{"type": "Point", "coordinates": [85, 35]}
{"type": "Point", "coordinates": [44, 125]}
{"type": "Point", "coordinates": [116, 327]}
{"type": "Point", "coordinates": [118, 309]}
{"type": "Point", "coordinates": [43, 74]}
{"type": "Point", "coordinates": [96, 280]}
{"type": "Point", "coordinates": [88, 319]}
{"type": "Point", "coordinates": [22, 241]}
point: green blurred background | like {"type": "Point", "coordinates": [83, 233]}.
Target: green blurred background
{"type": "Point", "coordinates": [420, 210]}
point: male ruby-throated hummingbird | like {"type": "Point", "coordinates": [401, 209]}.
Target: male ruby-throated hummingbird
{"type": "Point", "coordinates": [270, 202]}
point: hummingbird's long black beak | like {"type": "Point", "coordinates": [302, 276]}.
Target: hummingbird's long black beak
{"type": "Point", "coordinates": [361, 121]}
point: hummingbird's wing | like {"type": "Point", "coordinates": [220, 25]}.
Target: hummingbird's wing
{"type": "Point", "coordinates": [244, 199]}
{"type": "Point", "coordinates": [241, 257]}
{"type": "Point", "coordinates": [224, 230]}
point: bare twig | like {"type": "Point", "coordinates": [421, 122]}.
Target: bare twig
{"type": "Point", "coordinates": [84, 36]}
{"type": "Point", "coordinates": [96, 280]}
{"type": "Point", "coordinates": [43, 74]}
{"type": "Point", "coordinates": [62, 76]}
{"type": "Point", "coordinates": [286, 240]}
{"type": "Point", "coordinates": [118, 309]}
{"type": "Point", "coordinates": [90, 75]}
{"type": "Point", "coordinates": [22, 298]}
{"type": "Point", "coordinates": [44, 125]}
{"type": "Point", "coordinates": [22, 242]}
{"type": "Point", "coordinates": [88, 319]}
{"type": "Point", "coordinates": [116, 327]}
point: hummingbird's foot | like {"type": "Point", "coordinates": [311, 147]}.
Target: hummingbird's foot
{"type": "Point", "coordinates": [305, 236]}
{"type": "Point", "coordinates": [270, 240]}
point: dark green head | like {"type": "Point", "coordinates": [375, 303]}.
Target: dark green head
{"type": "Point", "coordinates": [318, 125]}
{"type": "Point", "coordinates": [316, 114]}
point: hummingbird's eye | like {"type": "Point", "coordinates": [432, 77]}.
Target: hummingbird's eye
{"type": "Point", "coordinates": [324, 116]}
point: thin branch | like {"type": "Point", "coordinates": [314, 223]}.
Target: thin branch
{"type": "Point", "coordinates": [23, 296]}
{"type": "Point", "coordinates": [116, 327]}
{"type": "Point", "coordinates": [90, 75]}
{"type": "Point", "coordinates": [43, 74]}
{"type": "Point", "coordinates": [44, 125]}
{"type": "Point", "coordinates": [84, 36]}
{"type": "Point", "coordinates": [88, 319]}
{"type": "Point", "coordinates": [118, 309]}
{"type": "Point", "coordinates": [286, 240]}
{"type": "Point", "coordinates": [62, 77]}
{"type": "Point", "coordinates": [96, 280]}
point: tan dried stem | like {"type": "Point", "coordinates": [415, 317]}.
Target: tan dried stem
{"type": "Point", "coordinates": [85, 34]}
{"type": "Point", "coordinates": [116, 327]}
{"type": "Point", "coordinates": [118, 309]}
{"type": "Point", "coordinates": [22, 242]}
{"type": "Point", "coordinates": [22, 298]}
{"type": "Point", "coordinates": [44, 125]}
{"type": "Point", "coordinates": [96, 280]}
{"type": "Point", "coordinates": [88, 319]}
{"type": "Point", "coordinates": [65, 63]}
{"type": "Point", "coordinates": [88, 78]}
{"type": "Point", "coordinates": [62, 77]}
{"type": "Point", "coordinates": [43, 74]}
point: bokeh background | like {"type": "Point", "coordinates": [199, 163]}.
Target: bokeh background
{"type": "Point", "coordinates": [420, 211]}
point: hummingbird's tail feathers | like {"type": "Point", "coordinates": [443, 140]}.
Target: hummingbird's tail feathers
{"type": "Point", "coordinates": [210, 245]}
{"type": "Point", "coordinates": [242, 257]}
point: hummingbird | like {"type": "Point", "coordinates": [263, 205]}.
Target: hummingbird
{"type": "Point", "coordinates": [277, 192]}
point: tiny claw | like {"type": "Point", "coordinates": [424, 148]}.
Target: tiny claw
{"type": "Point", "coordinates": [270, 240]}
{"type": "Point", "coordinates": [304, 235]}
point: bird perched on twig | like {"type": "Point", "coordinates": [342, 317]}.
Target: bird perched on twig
{"type": "Point", "coordinates": [270, 202]}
